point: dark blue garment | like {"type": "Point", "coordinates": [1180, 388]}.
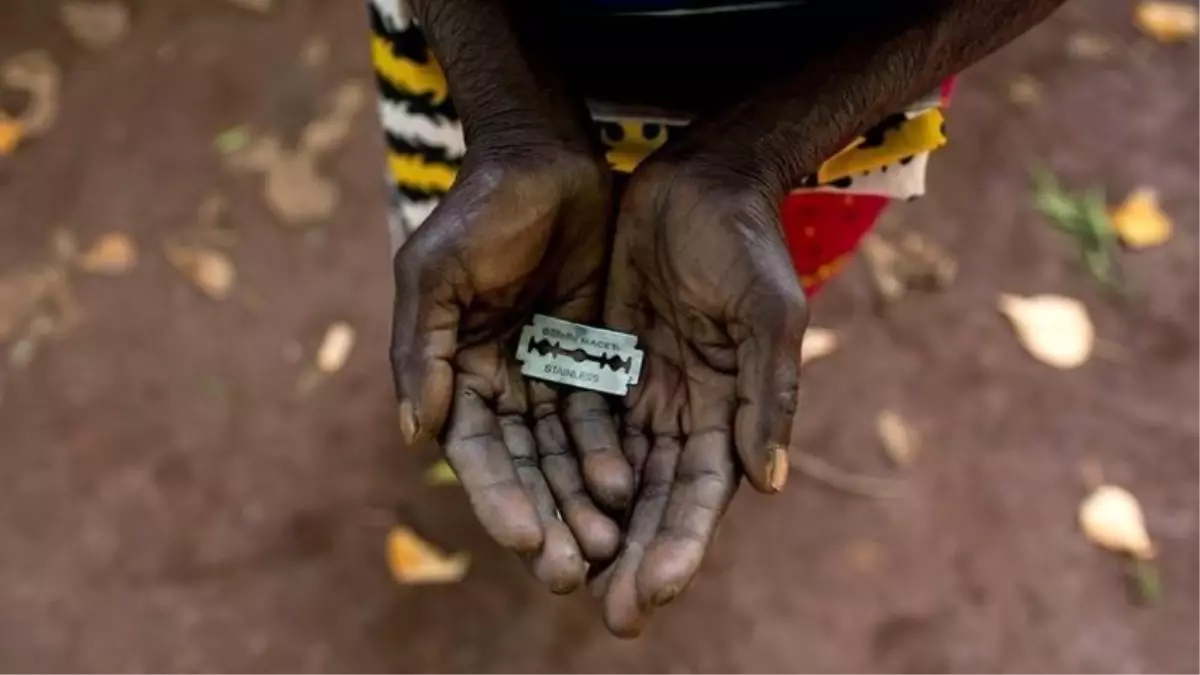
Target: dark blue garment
{"type": "Point", "coordinates": [682, 6]}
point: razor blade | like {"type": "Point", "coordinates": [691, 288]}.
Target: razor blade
{"type": "Point", "coordinates": [579, 356]}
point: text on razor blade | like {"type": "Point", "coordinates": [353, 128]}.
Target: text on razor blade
{"type": "Point", "coordinates": [565, 352]}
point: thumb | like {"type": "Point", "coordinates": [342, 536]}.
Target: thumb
{"type": "Point", "coordinates": [768, 374]}
{"type": "Point", "coordinates": [425, 321]}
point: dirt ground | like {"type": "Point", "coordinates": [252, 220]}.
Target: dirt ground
{"type": "Point", "coordinates": [169, 500]}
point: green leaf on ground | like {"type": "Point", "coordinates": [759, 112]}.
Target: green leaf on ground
{"type": "Point", "coordinates": [232, 140]}
{"type": "Point", "coordinates": [1084, 218]}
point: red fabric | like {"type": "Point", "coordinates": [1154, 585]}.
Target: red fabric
{"type": "Point", "coordinates": [823, 229]}
{"type": "Point", "coordinates": [947, 90]}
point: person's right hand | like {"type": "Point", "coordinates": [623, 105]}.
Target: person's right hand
{"type": "Point", "coordinates": [522, 231]}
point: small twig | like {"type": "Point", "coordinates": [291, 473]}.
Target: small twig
{"type": "Point", "coordinates": [864, 486]}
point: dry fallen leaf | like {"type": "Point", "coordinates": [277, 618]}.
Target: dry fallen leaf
{"type": "Point", "coordinates": [1090, 46]}
{"type": "Point", "coordinates": [64, 245]}
{"type": "Point", "coordinates": [295, 189]}
{"type": "Point", "coordinates": [96, 24]}
{"type": "Point", "coordinates": [328, 132]}
{"type": "Point", "coordinates": [315, 52]}
{"type": "Point", "coordinates": [1024, 89]}
{"type": "Point", "coordinates": [413, 560]}
{"type": "Point", "coordinates": [1112, 517]}
{"type": "Point", "coordinates": [34, 73]}
{"type": "Point", "coordinates": [923, 265]}
{"type": "Point", "coordinates": [115, 253]}
{"type": "Point", "coordinates": [11, 132]}
{"type": "Point", "coordinates": [35, 304]}
{"type": "Point", "coordinates": [22, 352]}
{"type": "Point", "coordinates": [914, 264]}
{"type": "Point", "coordinates": [335, 348]}
{"type": "Point", "coordinates": [818, 343]}
{"type": "Point", "coordinates": [297, 193]}
{"type": "Point", "coordinates": [212, 210]}
{"type": "Point", "coordinates": [22, 292]}
{"type": "Point", "coordinates": [881, 261]}
{"type": "Point", "coordinates": [441, 473]}
{"type": "Point", "coordinates": [1167, 21]}
{"type": "Point", "coordinates": [255, 5]}
{"type": "Point", "coordinates": [211, 270]}
{"type": "Point", "coordinates": [1139, 221]}
{"type": "Point", "coordinates": [256, 154]}
{"type": "Point", "coordinates": [1055, 329]}
{"type": "Point", "coordinates": [898, 439]}
{"type": "Point", "coordinates": [212, 221]}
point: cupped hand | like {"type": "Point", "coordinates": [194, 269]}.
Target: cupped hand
{"type": "Point", "coordinates": [521, 232]}
{"type": "Point", "coordinates": [701, 274]}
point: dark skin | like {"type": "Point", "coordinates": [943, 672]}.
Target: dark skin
{"type": "Point", "coordinates": [699, 272]}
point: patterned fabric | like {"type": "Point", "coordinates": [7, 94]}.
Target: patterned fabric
{"type": "Point", "coordinates": [824, 217]}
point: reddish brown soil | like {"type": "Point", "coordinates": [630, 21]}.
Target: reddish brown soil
{"type": "Point", "coordinates": [169, 502]}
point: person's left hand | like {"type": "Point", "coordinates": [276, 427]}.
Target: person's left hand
{"type": "Point", "coordinates": [701, 274]}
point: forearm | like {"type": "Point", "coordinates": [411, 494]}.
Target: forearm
{"type": "Point", "coordinates": [783, 132]}
{"type": "Point", "coordinates": [505, 92]}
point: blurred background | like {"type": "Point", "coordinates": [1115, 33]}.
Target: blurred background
{"type": "Point", "coordinates": [199, 458]}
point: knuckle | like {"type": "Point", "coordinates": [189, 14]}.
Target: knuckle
{"type": "Point", "coordinates": [588, 415]}
{"type": "Point", "coordinates": [554, 451]}
{"type": "Point", "coordinates": [543, 412]}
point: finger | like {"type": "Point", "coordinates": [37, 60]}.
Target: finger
{"type": "Point", "coordinates": [767, 378]}
{"type": "Point", "coordinates": [599, 579]}
{"type": "Point", "coordinates": [597, 534]}
{"type": "Point", "coordinates": [425, 320]}
{"type": "Point", "coordinates": [624, 614]}
{"type": "Point", "coordinates": [636, 449]}
{"type": "Point", "coordinates": [476, 451]}
{"type": "Point", "coordinates": [704, 485]}
{"type": "Point", "coordinates": [607, 473]}
{"type": "Point", "coordinates": [559, 563]}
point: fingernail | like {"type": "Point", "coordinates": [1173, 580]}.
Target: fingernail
{"type": "Point", "coordinates": [777, 470]}
{"type": "Point", "coordinates": [408, 422]}
{"type": "Point", "coordinates": [665, 595]}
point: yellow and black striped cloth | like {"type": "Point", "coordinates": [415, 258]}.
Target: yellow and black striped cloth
{"type": "Point", "coordinates": [425, 143]}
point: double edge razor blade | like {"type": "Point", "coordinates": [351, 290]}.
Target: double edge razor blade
{"type": "Point", "coordinates": [580, 356]}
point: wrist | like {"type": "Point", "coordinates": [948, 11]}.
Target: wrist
{"type": "Point", "coordinates": [734, 177]}
{"type": "Point", "coordinates": [518, 128]}
{"type": "Point", "coordinates": [693, 192]}
{"type": "Point", "coordinates": [546, 162]}
{"type": "Point", "coordinates": [745, 162]}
